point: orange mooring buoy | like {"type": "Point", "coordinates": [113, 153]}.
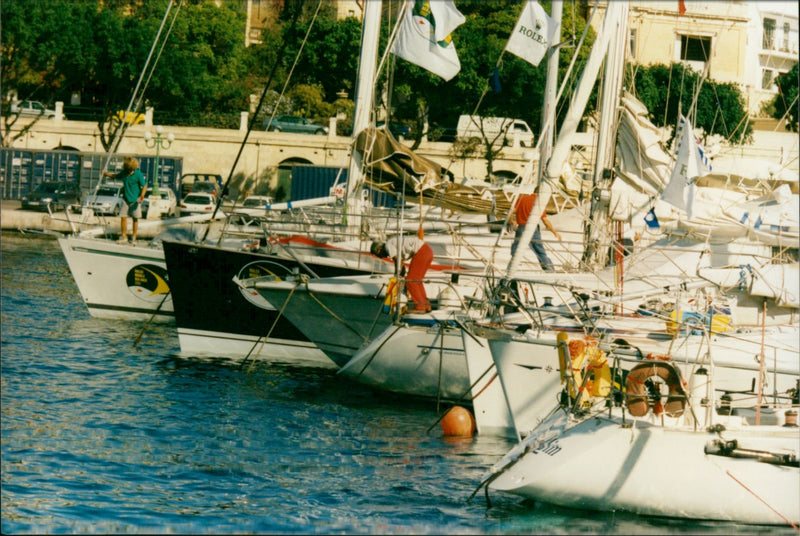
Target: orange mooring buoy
{"type": "Point", "coordinates": [458, 422]}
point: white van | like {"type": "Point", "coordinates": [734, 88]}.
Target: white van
{"type": "Point", "coordinates": [501, 129]}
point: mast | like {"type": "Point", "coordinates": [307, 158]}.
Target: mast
{"type": "Point", "coordinates": [563, 143]}
{"type": "Point", "coordinates": [606, 142]}
{"type": "Point", "coordinates": [551, 85]}
{"type": "Point", "coordinates": [365, 90]}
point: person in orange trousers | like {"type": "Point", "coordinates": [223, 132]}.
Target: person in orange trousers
{"type": "Point", "coordinates": [421, 256]}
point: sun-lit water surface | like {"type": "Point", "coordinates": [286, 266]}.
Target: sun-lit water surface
{"type": "Point", "coordinates": [102, 437]}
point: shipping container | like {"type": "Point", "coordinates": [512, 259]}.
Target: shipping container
{"type": "Point", "coordinates": [309, 182]}
{"type": "Point", "coordinates": [22, 170]}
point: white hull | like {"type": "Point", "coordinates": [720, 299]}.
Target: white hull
{"type": "Point", "coordinates": [637, 466]}
{"type": "Point", "coordinates": [119, 281]}
{"type": "Point", "coordinates": [238, 346]}
{"type": "Point", "coordinates": [530, 380]}
{"type": "Point", "coordinates": [426, 360]}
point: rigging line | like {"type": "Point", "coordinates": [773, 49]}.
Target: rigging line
{"type": "Point", "coordinates": [119, 134]}
{"type": "Point", "coordinates": [754, 494]}
{"type": "Point", "coordinates": [139, 89]}
{"type": "Point", "coordinates": [252, 122]}
{"type": "Point", "coordinates": [263, 340]}
{"type": "Point", "coordinates": [291, 71]}
{"type": "Point", "coordinates": [158, 57]}
{"type": "Point", "coordinates": [333, 314]}
{"type": "Point", "coordinates": [390, 42]}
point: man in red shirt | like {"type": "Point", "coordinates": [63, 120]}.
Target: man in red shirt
{"type": "Point", "coordinates": [522, 211]}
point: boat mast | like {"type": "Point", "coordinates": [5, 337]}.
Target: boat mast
{"type": "Point", "coordinates": [597, 226]}
{"type": "Point", "coordinates": [563, 142]}
{"type": "Point", "coordinates": [365, 90]}
{"type": "Point", "coordinates": [550, 88]}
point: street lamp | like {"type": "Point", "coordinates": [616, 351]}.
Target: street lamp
{"type": "Point", "coordinates": [159, 143]}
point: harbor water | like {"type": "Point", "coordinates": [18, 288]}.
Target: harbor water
{"type": "Point", "coordinates": [99, 436]}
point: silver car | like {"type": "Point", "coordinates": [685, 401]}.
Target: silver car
{"type": "Point", "coordinates": [108, 200]}
{"type": "Point", "coordinates": [298, 125]}
{"type": "Point", "coordinates": [31, 108]}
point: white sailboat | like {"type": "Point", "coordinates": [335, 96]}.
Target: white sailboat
{"type": "Point", "coordinates": [669, 453]}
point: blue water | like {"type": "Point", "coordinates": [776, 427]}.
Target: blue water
{"type": "Point", "coordinates": [102, 437]}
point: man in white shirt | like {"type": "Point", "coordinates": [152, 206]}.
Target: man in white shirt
{"type": "Point", "coordinates": [421, 256]}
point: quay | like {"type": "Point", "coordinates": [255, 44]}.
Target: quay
{"type": "Point", "coordinates": [13, 218]}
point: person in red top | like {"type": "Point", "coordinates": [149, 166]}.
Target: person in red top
{"type": "Point", "coordinates": [522, 211]}
{"type": "Point", "coordinates": [421, 256]}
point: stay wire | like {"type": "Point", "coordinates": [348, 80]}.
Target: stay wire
{"type": "Point", "coordinates": [252, 121]}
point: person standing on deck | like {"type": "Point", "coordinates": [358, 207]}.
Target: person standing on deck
{"type": "Point", "coordinates": [421, 256]}
{"type": "Point", "coordinates": [134, 186]}
{"type": "Point", "coordinates": [522, 211]}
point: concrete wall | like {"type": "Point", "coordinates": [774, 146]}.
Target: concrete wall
{"type": "Point", "coordinates": [208, 150]}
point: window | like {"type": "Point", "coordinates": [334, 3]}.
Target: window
{"type": "Point", "coordinates": [769, 34]}
{"type": "Point", "coordinates": [786, 32]}
{"type": "Point", "coordinates": [632, 43]}
{"type": "Point", "coordinates": [695, 48]}
{"type": "Point", "coordinates": [767, 78]}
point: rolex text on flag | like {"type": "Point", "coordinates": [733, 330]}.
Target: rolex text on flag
{"type": "Point", "coordinates": [533, 34]}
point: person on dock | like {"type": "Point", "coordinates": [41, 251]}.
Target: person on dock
{"type": "Point", "coordinates": [133, 190]}
{"type": "Point", "coordinates": [522, 211]}
{"type": "Point", "coordinates": [421, 256]}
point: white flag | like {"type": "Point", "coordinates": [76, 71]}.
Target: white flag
{"type": "Point", "coordinates": [533, 34]}
{"type": "Point", "coordinates": [690, 162]}
{"type": "Point", "coordinates": [424, 37]}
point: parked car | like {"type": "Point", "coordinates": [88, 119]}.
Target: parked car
{"type": "Point", "coordinates": [188, 180]}
{"type": "Point", "coordinates": [167, 205]}
{"type": "Point", "coordinates": [31, 108]}
{"type": "Point", "coordinates": [256, 201]}
{"type": "Point", "coordinates": [108, 200]}
{"type": "Point", "coordinates": [198, 203]}
{"type": "Point", "coordinates": [299, 125]}
{"type": "Point", "coordinates": [53, 196]}
{"type": "Point", "coordinates": [132, 118]}
{"type": "Point", "coordinates": [207, 187]}
{"type": "Point", "coordinates": [398, 130]}
{"type": "Point", "coordinates": [248, 211]}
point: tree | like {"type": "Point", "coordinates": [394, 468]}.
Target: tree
{"type": "Point", "coordinates": [785, 104]}
{"type": "Point", "coordinates": [667, 92]}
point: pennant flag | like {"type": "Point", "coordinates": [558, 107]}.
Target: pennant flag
{"type": "Point", "coordinates": [650, 219]}
{"type": "Point", "coordinates": [494, 81]}
{"type": "Point", "coordinates": [691, 162]}
{"type": "Point", "coordinates": [424, 37]}
{"type": "Point", "coordinates": [533, 34]}
{"type": "Point", "coordinates": [681, 7]}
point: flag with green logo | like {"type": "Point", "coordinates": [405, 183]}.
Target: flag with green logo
{"type": "Point", "coordinates": [425, 37]}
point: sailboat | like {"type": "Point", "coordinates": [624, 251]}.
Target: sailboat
{"type": "Point", "coordinates": [665, 451]}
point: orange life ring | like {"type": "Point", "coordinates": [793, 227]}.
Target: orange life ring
{"type": "Point", "coordinates": [636, 392]}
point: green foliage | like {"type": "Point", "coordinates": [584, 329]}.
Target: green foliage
{"type": "Point", "coordinates": [785, 102]}
{"type": "Point", "coordinates": [309, 101]}
{"type": "Point", "coordinates": [668, 91]}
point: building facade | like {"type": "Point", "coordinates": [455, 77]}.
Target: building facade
{"type": "Point", "coordinates": [747, 43]}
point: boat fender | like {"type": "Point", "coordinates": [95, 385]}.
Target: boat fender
{"type": "Point", "coordinates": [636, 391]}
{"type": "Point", "coordinates": [598, 381]}
{"type": "Point", "coordinates": [601, 373]}
{"type": "Point", "coordinates": [390, 302]}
